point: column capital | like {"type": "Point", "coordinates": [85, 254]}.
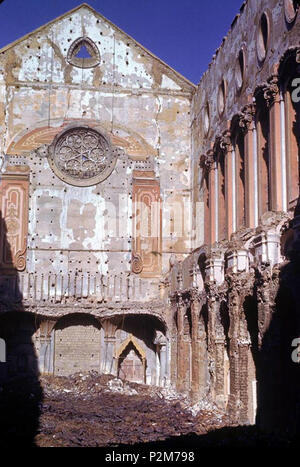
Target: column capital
{"type": "Point", "coordinates": [207, 160]}
{"type": "Point", "coordinates": [181, 302]}
{"type": "Point", "coordinates": [110, 326]}
{"type": "Point", "coordinates": [213, 291]}
{"type": "Point", "coordinates": [246, 116]}
{"type": "Point", "coordinates": [173, 299]}
{"type": "Point", "coordinates": [46, 327]}
{"type": "Point", "coordinates": [225, 141]}
{"type": "Point", "coordinates": [271, 90]}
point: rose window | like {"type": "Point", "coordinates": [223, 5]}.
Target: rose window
{"type": "Point", "coordinates": [82, 156]}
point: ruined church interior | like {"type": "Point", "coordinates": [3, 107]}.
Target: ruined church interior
{"type": "Point", "coordinates": [150, 227]}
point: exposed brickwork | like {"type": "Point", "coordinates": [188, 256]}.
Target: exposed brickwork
{"type": "Point", "coordinates": [77, 346]}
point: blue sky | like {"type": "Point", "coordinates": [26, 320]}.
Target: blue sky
{"type": "Point", "coordinates": [184, 34]}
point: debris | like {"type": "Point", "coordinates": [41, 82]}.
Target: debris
{"type": "Point", "coordinates": [99, 410]}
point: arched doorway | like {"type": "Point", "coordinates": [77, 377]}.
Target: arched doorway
{"type": "Point", "coordinates": [131, 361]}
{"type": "Point", "coordinates": [77, 344]}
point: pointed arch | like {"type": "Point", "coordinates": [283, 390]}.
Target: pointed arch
{"type": "Point", "coordinates": [124, 345]}
{"type": "Point", "coordinates": [83, 62]}
{"type": "Point", "coordinates": [131, 342]}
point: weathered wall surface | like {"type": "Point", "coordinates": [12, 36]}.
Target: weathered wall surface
{"type": "Point", "coordinates": [234, 299]}
{"type": "Point", "coordinates": [77, 345]}
{"type": "Point", "coordinates": [89, 246]}
{"type": "Point", "coordinates": [139, 103]}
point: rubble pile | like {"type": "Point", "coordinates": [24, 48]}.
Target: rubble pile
{"type": "Point", "coordinates": [100, 410]}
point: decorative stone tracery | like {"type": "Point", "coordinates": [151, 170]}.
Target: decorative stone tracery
{"type": "Point", "coordinates": [84, 62]}
{"type": "Point", "coordinates": [82, 156]}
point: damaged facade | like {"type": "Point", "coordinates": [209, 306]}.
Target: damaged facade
{"type": "Point", "coordinates": [149, 227]}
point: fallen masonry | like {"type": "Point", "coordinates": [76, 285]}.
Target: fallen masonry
{"type": "Point", "coordinates": [92, 410]}
{"type": "Point", "coordinates": [88, 409]}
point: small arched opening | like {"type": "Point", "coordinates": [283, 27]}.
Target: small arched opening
{"type": "Point", "coordinates": [131, 361]}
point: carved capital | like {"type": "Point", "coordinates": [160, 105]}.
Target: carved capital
{"type": "Point", "coordinates": [225, 141]}
{"type": "Point", "coordinates": [160, 339]}
{"type": "Point", "coordinates": [109, 326]}
{"type": "Point", "coordinates": [207, 160]}
{"type": "Point", "coordinates": [195, 297]}
{"type": "Point", "coordinates": [271, 90]}
{"type": "Point", "coordinates": [46, 327]}
{"type": "Point", "coordinates": [173, 300]}
{"type": "Point", "coordinates": [213, 291]}
{"type": "Point", "coordinates": [181, 304]}
{"type": "Point", "coordinates": [246, 117]}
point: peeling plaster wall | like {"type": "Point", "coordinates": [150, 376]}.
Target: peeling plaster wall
{"type": "Point", "coordinates": [133, 97]}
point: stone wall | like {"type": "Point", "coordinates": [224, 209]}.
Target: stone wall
{"type": "Point", "coordinates": [77, 343]}
{"type": "Point", "coordinates": [75, 241]}
{"type": "Point", "coordinates": [245, 146]}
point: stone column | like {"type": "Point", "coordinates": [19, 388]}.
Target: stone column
{"type": "Point", "coordinates": [212, 303]}
{"type": "Point", "coordinates": [161, 348]}
{"type": "Point", "coordinates": [229, 183]}
{"type": "Point", "coordinates": [212, 197]}
{"type": "Point", "coordinates": [247, 123]}
{"type": "Point", "coordinates": [268, 369]}
{"type": "Point", "coordinates": [233, 401]}
{"type": "Point", "coordinates": [163, 363]}
{"type": "Point", "coordinates": [263, 286]}
{"type": "Point", "coordinates": [272, 96]}
{"type": "Point", "coordinates": [220, 375]}
{"type": "Point", "coordinates": [173, 341]}
{"type": "Point", "coordinates": [198, 350]}
{"type": "Point", "coordinates": [195, 380]}
{"type": "Point", "coordinates": [108, 364]}
{"type": "Point", "coordinates": [183, 348]}
{"type": "Point", "coordinates": [46, 353]}
{"type": "Point", "coordinates": [243, 375]}
{"type": "Point", "coordinates": [244, 342]}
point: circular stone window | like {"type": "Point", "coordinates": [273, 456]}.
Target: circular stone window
{"type": "Point", "coordinates": [262, 37]}
{"type": "Point", "coordinates": [82, 156]}
{"type": "Point", "coordinates": [206, 119]}
{"type": "Point", "coordinates": [240, 69]}
{"type": "Point", "coordinates": [221, 98]}
{"type": "Point", "coordinates": [290, 10]}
